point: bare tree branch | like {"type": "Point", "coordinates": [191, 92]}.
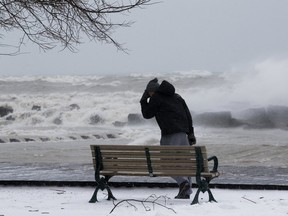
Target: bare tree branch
{"type": "Point", "coordinates": [154, 201]}
{"type": "Point", "coordinates": [50, 22]}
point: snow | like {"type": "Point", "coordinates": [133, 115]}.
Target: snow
{"type": "Point", "coordinates": [68, 201]}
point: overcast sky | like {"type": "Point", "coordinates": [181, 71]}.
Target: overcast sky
{"type": "Point", "coordinates": [174, 35]}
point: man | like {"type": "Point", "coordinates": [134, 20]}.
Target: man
{"type": "Point", "coordinates": [174, 120]}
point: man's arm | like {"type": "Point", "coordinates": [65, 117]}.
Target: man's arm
{"type": "Point", "coordinates": [191, 135]}
{"type": "Point", "coordinates": [149, 109]}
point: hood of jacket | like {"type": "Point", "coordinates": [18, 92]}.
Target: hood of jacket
{"type": "Point", "coordinates": [166, 88]}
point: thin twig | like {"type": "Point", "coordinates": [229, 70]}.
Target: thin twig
{"type": "Point", "coordinates": [249, 200]}
{"type": "Point", "coordinates": [143, 202]}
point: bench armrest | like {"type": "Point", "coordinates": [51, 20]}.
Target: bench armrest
{"type": "Point", "coordinates": [215, 160]}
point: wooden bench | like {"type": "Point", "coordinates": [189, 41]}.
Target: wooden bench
{"type": "Point", "coordinates": [153, 161]}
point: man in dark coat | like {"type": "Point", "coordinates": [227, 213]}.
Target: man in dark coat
{"type": "Point", "coordinates": [174, 120]}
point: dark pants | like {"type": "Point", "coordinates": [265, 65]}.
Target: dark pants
{"type": "Point", "coordinates": [177, 139]}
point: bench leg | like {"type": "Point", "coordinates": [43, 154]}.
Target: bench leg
{"type": "Point", "coordinates": [211, 198]}
{"type": "Point", "coordinates": [94, 196]}
{"type": "Point", "coordinates": [110, 195]}
{"type": "Point", "coordinates": [196, 197]}
{"type": "Point", "coordinates": [203, 187]}
{"type": "Point", "coordinates": [102, 184]}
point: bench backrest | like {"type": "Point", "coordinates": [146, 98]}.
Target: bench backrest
{"type": "Point", "coordinates": [147, 160]}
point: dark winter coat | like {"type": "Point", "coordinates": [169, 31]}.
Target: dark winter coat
{"type": "Point", "coordinates": [169, 109]}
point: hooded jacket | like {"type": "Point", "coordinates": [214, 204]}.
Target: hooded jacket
{"type": "Point", "coordinates": [169, 109]}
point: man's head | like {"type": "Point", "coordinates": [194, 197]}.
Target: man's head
{"type": "Point", "coordinates": [152, 86]}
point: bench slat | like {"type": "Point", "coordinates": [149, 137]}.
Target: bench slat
{"type": "Point", "coordinates": [137, 167]}
{"type": "Point", "coordinates": [146, 173]}
{"type": "Point", "coordinates": [139, 151]}
{"type": "Point", "coordinates": [139, 157]}
{"type": "Point", "coordinates": [168, 162]}
{"type": "Point", "coordinates": [155, 174]}
{"type": "Point", "coordinates": [142, 147]}
{"type": "Point", "coordinates": [142, 152]}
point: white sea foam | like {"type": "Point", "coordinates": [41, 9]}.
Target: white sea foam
{"type": "Point", "coordinates": [90, 103]}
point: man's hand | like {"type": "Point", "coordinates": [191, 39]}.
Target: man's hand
{"type": "Point", "coordinates": [192, 139]}
{"type": "Point", "coordinates": [144, 97]}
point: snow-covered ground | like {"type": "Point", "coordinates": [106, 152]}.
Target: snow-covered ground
{"type": "Point", "coordinates": [69, 201]}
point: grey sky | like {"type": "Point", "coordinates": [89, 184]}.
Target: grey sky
{"type": "Point", "coordinates": [173, 35]}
